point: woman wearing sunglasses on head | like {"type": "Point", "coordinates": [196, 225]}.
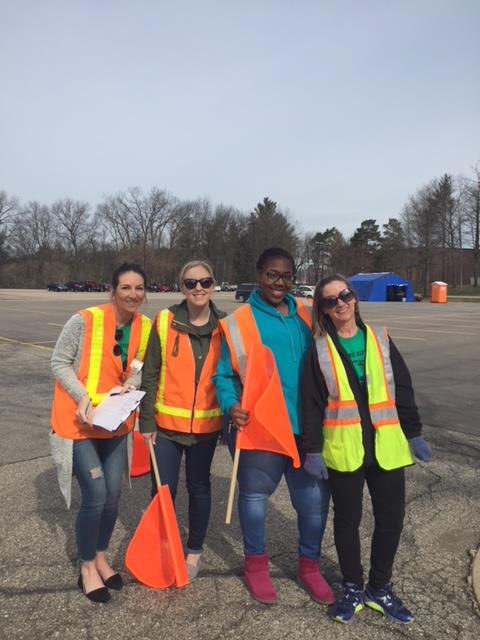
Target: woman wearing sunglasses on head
{"type": "Point", "coordinates": [99, 350]}
{"type": "Point", "coordinates": [360, 417]}
{"type": "Point", "coordinates": [274, 317]}
{"type": "Point", "coordinates": [180, 412]}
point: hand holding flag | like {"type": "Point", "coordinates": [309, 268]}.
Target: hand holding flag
{"type": "Point", "coordinates": [269, 427]}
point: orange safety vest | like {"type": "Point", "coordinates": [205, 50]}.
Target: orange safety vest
{"type": "Point", "coordinates": [99, 370]}
{"type": "Point", "coordinates": [241, 331]}
{"type": "Point", "coordinates": [342, 430]}
{"type": "Point", "coordinates": [179, 405]}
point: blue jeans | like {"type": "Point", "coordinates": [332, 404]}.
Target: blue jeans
{"type": "Point", "coordinates": [198, 460]}
{"type": "Point", "coordinates": [259, 474]}
{"type": "Point", "coordinates": [98, 465]}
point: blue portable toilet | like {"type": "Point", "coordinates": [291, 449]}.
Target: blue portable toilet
{"type": "Point", "coordinates": [382, 287]}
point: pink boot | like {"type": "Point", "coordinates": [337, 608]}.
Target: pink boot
{"type": "Point", "coordinates": [313, 582]}
{"type": "Point", "coordinates": [257, 578]}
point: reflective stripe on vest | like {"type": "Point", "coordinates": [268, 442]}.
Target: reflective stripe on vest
{"type": "Point", "coordinates": [160, 405]}
{"type": "Point", "coordinates": [343, 446]}
{"type": "Point", "coordinates": [96, 349]}
{"type": "Point", "coordinates": [144, 334]}
{"type": "Point", "coordinates": [245, 317]}
{"type": "Point", "coordinates": [236, 339]}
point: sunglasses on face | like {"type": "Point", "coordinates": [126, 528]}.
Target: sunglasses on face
{"type": "Point", "coordinates": [330, 302]}
{"type": "Point", "coordinates": [191, 283]}
{"type": "Point", "coordinates": [273, 276]}
{"type": "Point", "coordinates": [117, 349]}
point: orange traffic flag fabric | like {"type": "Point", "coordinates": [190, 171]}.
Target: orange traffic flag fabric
{"type": "Point", "coordinates": [269, 428]}
{"type": "Point", "coordinates": [155, 553]}
{"type": "Point", "coordinates": [140, 456]}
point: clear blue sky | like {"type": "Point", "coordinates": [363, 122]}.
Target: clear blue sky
{"type": "Point", "coordinates": [335, 109]}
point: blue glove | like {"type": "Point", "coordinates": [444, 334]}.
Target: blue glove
{"type": "Point", "coordinates": [421, 449]}
{"type": "Point", "coordinates": [315, 466]}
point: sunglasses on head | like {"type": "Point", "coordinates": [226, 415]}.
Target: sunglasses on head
{"type": "Point", "coordinates": [191, 283]}
{"type": "Point", "coordinates": [330, 302]}
{"type": "Point", "coordinates": [117, 349]}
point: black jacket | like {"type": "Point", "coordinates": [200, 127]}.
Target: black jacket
{"type": "Point", "coordinates": [315, 397]}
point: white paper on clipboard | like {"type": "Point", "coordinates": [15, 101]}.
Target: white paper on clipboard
{"type": "Point", "coordinates": [115, 409]}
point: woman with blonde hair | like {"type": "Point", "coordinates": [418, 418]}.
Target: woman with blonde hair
{"type": "Point", "coordinates": [180, 412]}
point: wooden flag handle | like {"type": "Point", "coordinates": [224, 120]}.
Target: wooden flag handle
{"type": "Point", "coordinates": [154, 463]}
{"type": "Point", "coordinates": [231, 493]}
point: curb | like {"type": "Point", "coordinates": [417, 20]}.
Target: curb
{"type": "Point", "coordinates": [476, 575]}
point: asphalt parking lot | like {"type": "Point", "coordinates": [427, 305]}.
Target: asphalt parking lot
{"type": "Point", "coordinates": [38, 597]}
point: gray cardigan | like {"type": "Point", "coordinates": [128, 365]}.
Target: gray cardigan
{"type": "Point", "coordinates": [65, 363]}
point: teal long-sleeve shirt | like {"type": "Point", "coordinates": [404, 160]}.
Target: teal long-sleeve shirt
{"type": "Point", "coordinates": [289, 338]}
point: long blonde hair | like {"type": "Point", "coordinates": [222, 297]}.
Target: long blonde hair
{"type": "Point", "coordinates": [319, 317]}
{"type": "Point", "coordinates": [191, 265]}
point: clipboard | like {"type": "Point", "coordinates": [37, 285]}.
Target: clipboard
{"type": "Point", "coordinates": [112, 412]}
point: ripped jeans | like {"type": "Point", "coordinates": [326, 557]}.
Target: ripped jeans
{"type": "Point", "coordinates": [98, 465]}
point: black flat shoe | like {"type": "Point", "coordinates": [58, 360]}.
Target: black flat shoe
{"type": "Point", "coordinates": [97, 595]}
{"type": "Point", "coordinates": [114, 582]}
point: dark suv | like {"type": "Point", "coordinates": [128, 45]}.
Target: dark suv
{"type": "Point", "coordinates": [244, 290]}
{"type": "Point", "coordinates": [57, 286]}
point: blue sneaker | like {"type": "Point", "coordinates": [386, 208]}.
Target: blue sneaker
{"type": "Point", "coordinates": [385, 601]}
{"type": "Point", "coordinates": [349, 604]}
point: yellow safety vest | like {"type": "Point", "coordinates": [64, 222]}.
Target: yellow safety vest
{"type": "Point", "coordinates": [342, 431]}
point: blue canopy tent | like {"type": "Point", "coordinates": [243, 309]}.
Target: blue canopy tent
{"type": "Point", "coordinates": [382, 287]}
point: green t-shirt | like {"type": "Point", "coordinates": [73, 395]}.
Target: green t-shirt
{"type": "Point", "coordinates": [354, 347]}
{"type": "Point", "coordinates": [123, 342]}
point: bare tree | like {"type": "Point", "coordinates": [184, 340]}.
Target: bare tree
{"type": "Point", "coordinates": [8, 211]}
{"type": "Point", "coordinates": [34, 230]}
{"type": "Point", "coordinates": [472, 218]}
{"type": "Point", "coordinates": [72, 223]}
{"type": "Point", "coordinates": [135, 220]}
{"type": "Point", "coordinates": [117, 223]}
{"type": "Point", "coordinates": [420, 218]}
{"type": "Point", "coordinates": [32, 237]}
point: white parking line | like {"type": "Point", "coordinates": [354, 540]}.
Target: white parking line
{"type": "Point", "coordinates": [409, 338]}
{"type": "Point", "coordinates": [26, 344]}
{"type": "Point", "coordinates": [45, 313]}
{"type": "Point", "coordinates": [54, 324]}
{"type": "Point", "coordinates": [456, 333]}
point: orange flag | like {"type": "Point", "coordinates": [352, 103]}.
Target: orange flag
{"type": "Point", "coordinates": [140, 456]}
{"type": "Point", "coordinates": [269, 428]}
{"type": "Point", "coordinates": [155, 554]}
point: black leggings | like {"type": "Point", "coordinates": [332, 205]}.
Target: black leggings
{"type": "Point", "coordinates": [387, 491]}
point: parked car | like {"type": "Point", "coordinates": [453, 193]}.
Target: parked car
{"type": "Point", "coordinates": [75, 285]}
{"type": "Point", "coordinates": [56, 286]}
{"type": "Point", "coordinates": [159, 288]}
{"type": "Point", "coordinates": [226, 286]}
{"type": "Point", "coordinates": [84, 285]}
{"type": "Point", "coordinates": [297, 292]}
{"type": "Point", "coordinates": [307, 290]}
{"type": "Point", "coordinates": [244, 290]}
{"type": "Point", "coordinates": [91, 285]}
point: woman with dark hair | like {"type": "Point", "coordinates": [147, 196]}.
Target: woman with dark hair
{"type": "Point", "coordinates": [180, 412]}
{"type": "Point", "coordinates": [359, 419]}
{"type": "Point", "coordinates": [275, 318]}
{"type": "Point", "coordinates": [99, 351]}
